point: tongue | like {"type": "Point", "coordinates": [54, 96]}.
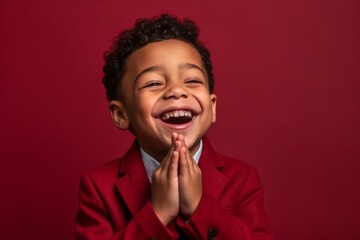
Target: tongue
{"type": "Point", "coordinates": [178, 120]}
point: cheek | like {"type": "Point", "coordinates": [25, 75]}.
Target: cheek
{"type": "Point", "coordinates": [145, 106]}
{"type": "Point", "coordinates": [211, 109]}
{"type": "Point", "coordinates": [206, 103]}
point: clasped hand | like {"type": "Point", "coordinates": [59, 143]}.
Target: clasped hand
{"type": "Point", "coordinates": [176, 184]}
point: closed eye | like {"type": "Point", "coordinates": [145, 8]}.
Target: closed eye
{"type": "Point", "coordinates": [152, 84]}
{"type": "Point", "coordinates": [194, 81]}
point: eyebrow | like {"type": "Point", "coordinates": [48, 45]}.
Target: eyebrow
{"type": "Point", "coordinates": [192, 66]}
{"type": "Point", "coordinates": [149, 69]}
{"type": "Point", "coordinates": [159, 67]}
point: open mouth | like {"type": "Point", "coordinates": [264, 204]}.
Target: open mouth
{"type": "Point", "coordinates": [177, 117]}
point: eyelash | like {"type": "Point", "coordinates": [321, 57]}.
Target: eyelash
{"type": "Point", "coordinates": [152, 84]}
{"type": "Point", "coordinates": [157, 83]}
{"type": "Point", "coordinates": [194, 81]}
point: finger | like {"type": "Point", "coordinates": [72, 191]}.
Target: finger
{"type": "Point", "coordinates": [181, 138]}
{"type": "Point", "coordinates": [174, 137]}
{"type": "Point", "coordinates": [184, 163]}
{"type": "Point", "coordinates": [177, 146]}
{"type": "Point", "coordinates": [164, 165]}
{"type": "Point", "coordinates": [191, 163]}
{"type": "Point", "coordinates": [174, 165]}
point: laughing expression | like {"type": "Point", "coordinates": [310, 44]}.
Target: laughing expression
{"type": "Point", "coordinates": [165, 89]}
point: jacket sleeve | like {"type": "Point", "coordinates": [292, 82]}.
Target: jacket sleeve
{"type": "Point", "coordinates": [93, 220]}
{"type": "Point", "coordinates": [246, 221]}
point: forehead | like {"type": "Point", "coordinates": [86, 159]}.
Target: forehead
{"type": "Point", "coordinates": [166, 52]}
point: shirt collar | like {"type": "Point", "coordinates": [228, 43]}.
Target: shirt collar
{"type": "Point", "coordinates": [151, 164]}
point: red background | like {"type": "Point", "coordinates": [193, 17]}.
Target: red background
{"type": "Point", "coordinates": [287, 79]}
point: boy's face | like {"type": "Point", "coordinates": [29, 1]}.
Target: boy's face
{"type": "Point", "coordinates": [165, 89]}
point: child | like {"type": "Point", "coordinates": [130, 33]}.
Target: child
{"type": "Point", "coordinates": [171, 184]}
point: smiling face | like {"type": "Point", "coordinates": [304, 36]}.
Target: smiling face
{"type": "Point", "coordinates": [165, 89]}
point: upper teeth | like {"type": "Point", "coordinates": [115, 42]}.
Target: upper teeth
{"type": "Point", "coordinates": [180, 113]}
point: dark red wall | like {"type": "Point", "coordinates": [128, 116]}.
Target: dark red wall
{"type": "Point", "coordinates": [287, 80]}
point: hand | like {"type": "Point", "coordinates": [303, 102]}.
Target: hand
{"type": "Point", "coordinates": [190, 181]}
{"type": "Point", "coordinates": [165, 184]}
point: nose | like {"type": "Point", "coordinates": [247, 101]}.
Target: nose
{"type": "Point", "coordinates": [176, 91]}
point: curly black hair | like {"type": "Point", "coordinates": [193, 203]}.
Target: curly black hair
{"type": "Point", "coordinates": [145, 31]}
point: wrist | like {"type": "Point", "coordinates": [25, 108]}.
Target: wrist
{"type": "Point", "coordinates": [164, 218]}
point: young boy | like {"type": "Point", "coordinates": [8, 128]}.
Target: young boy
{"type": "Point", "coordinates": [171, 184]}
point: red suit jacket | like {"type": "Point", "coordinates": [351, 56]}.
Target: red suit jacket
{"type": "Point", "coordinates": [114, 202]}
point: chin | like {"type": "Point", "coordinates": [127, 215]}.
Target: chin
{"type": "Point", "coordinates": [192, 142]}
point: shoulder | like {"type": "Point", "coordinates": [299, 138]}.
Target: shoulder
{"type": "Point", "coordinates": [236, 171]}
{"type": "Point", "coordinates": [107, 168]}
{"type": "Point", "coordinates": [225, 163]}
{"type": "Point", "coordinates": [231, 162]}
{"type": "Point", "coordinates": [104, 174]}
{"type": "Point", "coordinates": [235, 168]}
{"type": "Point", "coordinates": [116, 168]}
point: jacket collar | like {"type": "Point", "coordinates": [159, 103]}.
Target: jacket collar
{"type": "Point", "coordinates": [134, 186]}
{"type": "Point", "coordinates": [211, 168]}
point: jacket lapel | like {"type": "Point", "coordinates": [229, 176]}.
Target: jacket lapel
{"type": "Point", "coordinates": [133, 185]}
{"type": "Point", "coordinates": [211, 165]}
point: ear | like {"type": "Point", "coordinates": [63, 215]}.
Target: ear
{"type": "Point", "coordinates": [118, 114]}
{"type": "Point", "coordinates": [213, 107]}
